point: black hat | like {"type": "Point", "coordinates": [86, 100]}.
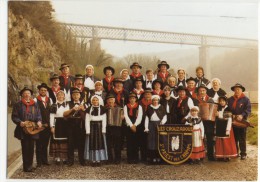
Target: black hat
{"type": "Point", "coordinates": [181, 88]}
{"type": "Point", "coordinates": [238, 85]}
{"type": "Point", "coordinates": [157, 81]}
{"type": "Point", "coordinates": [148, 90]}
{"type": "Point", "coordinates": [54, 76]}
{"type": "Point", "coordinates": [109, 68]}
{"type": "Point", "coordinates": [118, 80]}
{"type": "Point", "coordinates": [79, 76]}
{"type": "Point", "coordinates": [202, 86]}
{"type": "Point", "coordinates": [190, 79]}
{"type": "Point", "coordinates": [135, 64]}
{"type": "Point", "coordinates": [163, 63]}
{"type": "Point", "coordinates": [44, 85]}
{"type": "Point", "coordinates": [132, 94]}
{"type": "Point", "coordinates": [24, 89]}
{"type": "Point", "coordinates": [64, 65]}
{"type": "Point", "coordinates": [223, 97]}
{"type": "Point", "coordinates": [109, 96]}
{"type": "Point", "coordinates": [138, 79]}
{"type": "Point", "coordinates": [75, 90]}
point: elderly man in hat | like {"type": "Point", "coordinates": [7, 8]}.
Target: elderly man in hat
{"type": "Point", "coordinates": [240, 106]}
{"type": "Point", "coordinates": [200, 79]}
{"type": "Point", "coordinates": [44, 104]}
{"type": "Point", "coordinates": [76, 125]}
{"type": "Point", "coordinates": [163, 74]}
{"type": "Point", "coordinates": [136, 72]}
{"type": "Point", "coordinates": [183, 105]}
{"type": "Point", "coordinates": [119, 92]}
{"type": "Point", "coordinates": [26, 110]}
{"type": "Point", "coordinates": [215, 92]}
{"type": "Point", "coordinates": [208, 125]}
{"type": "Point", "coordinates": [108, 80]}
{"type": "Point", "coordinates": [84, 91]}
{"type": "Point", "coordinates": [66, 80]}
{"type": "Point", "coordinates": [89, 78]}
{"type": "Point", "coordinates": [55, 87]}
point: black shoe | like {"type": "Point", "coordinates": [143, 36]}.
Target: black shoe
{"type": "Point", "coordinates": [29, 169]}
{"type": "Point", "coordinates": [39, 165]}
{"type": "Point", "coordinates": [211, 159]}
{"type": "Point", "coordinates": [83, 163]}
{"type": "Point", "coordinates": [243, 157]}
{"type": "Point", "coordinates": [70, 163]}
{"type": "Point", "coordinates": [58, 162]}
{"type": "Point", "coordinates": [117, 162]}
{"type": "Point", "coordinates": [46, 163]}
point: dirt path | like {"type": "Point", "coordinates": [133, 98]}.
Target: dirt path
{"type": "Point", "coordinates": [236, 170]}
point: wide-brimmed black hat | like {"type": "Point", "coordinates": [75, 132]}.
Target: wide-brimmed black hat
{"type": "Point", "coordinates": [135, 64]}
{"type": "Point", "coordinates": [116, 80]}
{"type": "Point", "coordinates": [202, 86]}
{"type": "Point", "coordinates": [223, 97]}
{"type": "Point", "coordinates": [238, 85]}
{"type": "Point", "coordinates": [75, 90]}
{"type": "Point", "coordinates": [180, 88]}
{"type": "Point", "coordinates": [54, 76]}
{"type": "Point", "coordinates": [43, 85]}
{"type": "Point", "coordinates": [132, 94]}
{"type": "Point", "coordinates": [148, 90]}
{"type": "Point", "coordinates": [109, 96]}
{"type": "Point", "coordinates": [157, 81]}
{"type": "Point", "coordinates": [190, 79]}
{"type": "Point", "coordinates": [24, 89]}
{"type": "Point", "coordinates": [163, 63]}
{"type": "Point", "coordinates": [63, 65]}
{"type": "Point", "coordinates": [109, 68]}
{"type": "Point", "coordinates": [79, 76]}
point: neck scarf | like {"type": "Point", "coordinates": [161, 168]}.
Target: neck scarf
{"type": "Point", "coordinates": [109, 82]}
{"type": "Point", "coordinates": [44, 102]}
{"type": "Point", "coordinates": [136, 76]}
{"type": "Point", "coordinates": [27, 104]}
{"type": "Point", "coordinates": [163, 76]}
{"type": "Point", "coordinates": [146, 103]}
{"type": "Point", "coordinates": [202, 99]}
{"type": "Point", "coordinates": [234, 105]}
{"type": "Point", "coordinates": [55, 90]}
{"type": "Point", "coordinates": [131, 108]}
{"type": "Point", "coordinates": [138, 92]}
{"type": "Point", "coordinates": [66, 79]}
{"type": "Point", "coordinates": [118, 94]}
{"type": "Point", "coordinates": [180, 101]}
{"type": "Point", "coordinates": [158, 93]}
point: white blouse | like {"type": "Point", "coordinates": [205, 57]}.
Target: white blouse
{"type": "Point", "coordinates": [59, 113]}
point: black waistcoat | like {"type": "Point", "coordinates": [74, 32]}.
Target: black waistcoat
{"type": "Point", "coordinates": [183, 110]}
{"type": "Point", "coordinates": [135, 114]}
{"type": "Point", "coordinates": [45, 111]}
{"type": "Point", "coordinates": [160, 112]}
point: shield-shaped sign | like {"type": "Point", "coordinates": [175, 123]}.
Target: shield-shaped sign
{"type": "Point", "coordinates": [175, 143]}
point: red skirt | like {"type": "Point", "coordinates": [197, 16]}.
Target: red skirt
{"type": "Point", "coordinates": [198, 151]}
{"type": "Point", "coordinates": [226, 146]}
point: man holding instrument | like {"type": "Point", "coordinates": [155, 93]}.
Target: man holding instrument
{"type": "Point", "coordinates": [76, 125]}
{"type": "Point", "coordinates": [240, 107]}
{"type": "Point", "coordinates": [26, 110]}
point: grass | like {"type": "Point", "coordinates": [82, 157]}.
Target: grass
{"type": "Point", "coordinates": [252, 133]}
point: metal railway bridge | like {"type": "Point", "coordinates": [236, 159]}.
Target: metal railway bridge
{"type": "Point", "coordinates": [204, 42]}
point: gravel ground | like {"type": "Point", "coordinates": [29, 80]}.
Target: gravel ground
{"type": "Point", "coordinates": [235, 170]}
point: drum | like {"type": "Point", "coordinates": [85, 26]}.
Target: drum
{"type": "Point", "coordinates": [61, 128]}
{"type": "Point", "coordinates": [114, 116]}
{"type": "Point", "coordinates": [208, 111]}
{"type": "Point", "coordinates": [221, 126]}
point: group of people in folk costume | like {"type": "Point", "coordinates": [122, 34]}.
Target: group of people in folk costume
{"type": "Point", "coordinates": [84, 104]}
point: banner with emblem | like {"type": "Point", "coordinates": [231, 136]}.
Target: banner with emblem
{"type": "Point", "coordinates": [175, 143]}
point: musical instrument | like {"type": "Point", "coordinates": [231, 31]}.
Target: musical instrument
{"type": "Point", "coordinates": [32, 128]}
{"type": "Point", "coordinates": [240, 123]}
{"type": "Point", "coordinates": [61, 129]}
{"type": "Point", "coordinates": [208, 111]}
{"type": "Point", "coordinates": [114, 116]}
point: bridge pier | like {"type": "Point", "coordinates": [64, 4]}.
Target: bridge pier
{"type": "Point", "coordinates": [204, 60]}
